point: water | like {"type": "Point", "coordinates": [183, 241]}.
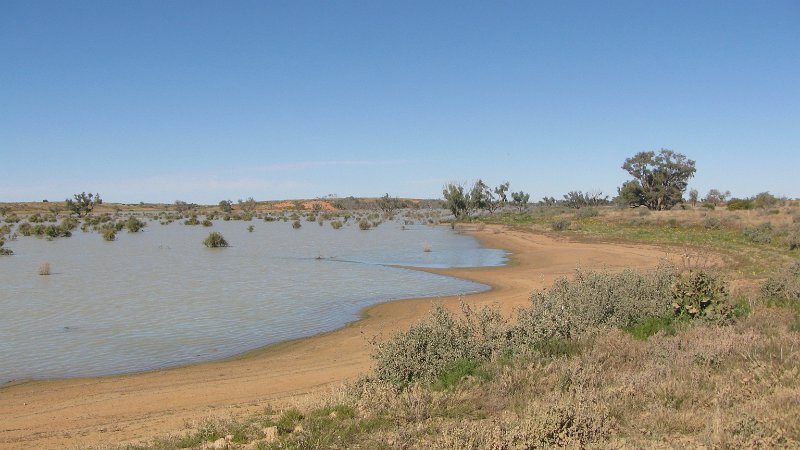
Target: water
{"type": "Point", "coordinates": [159, 298]}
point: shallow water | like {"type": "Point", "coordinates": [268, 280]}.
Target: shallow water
{"type": "Point", "coordinates": [159, 298]}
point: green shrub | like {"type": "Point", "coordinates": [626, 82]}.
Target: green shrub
{"type": "Point", "coordinates": [296, 224]}
{"type": "Point", "coordinates": [192, 221]}
{"type": "Point", "coordinates": [336, 224]}
{"type": "Point", "coordinates": [251, 228]}
{"type": "Point", "coordinates": [109, 233]}
{"type": "Point", "coordinates": [760, 234]}
{"type": "Point", "coordinates": [25, 229]}
{"type": "Point", "coordinates": [364, 224]}
{"type": "Point", "coordinates": [651, 326]}
{"type": "Point", "coordinates": [561, 225]}
{"type": "Point", "coordinates": [701, 294]}
{"type": "Point", "coordinates": [215, 240]}
{"type": "Point", "coordinates": [134, 225]}
{"type": "Point", "coordinates": [207, 223]}
{"type": "Point", "coordinates": [709, 206]}
{"type": "Point", "coordinates": [735, 204]}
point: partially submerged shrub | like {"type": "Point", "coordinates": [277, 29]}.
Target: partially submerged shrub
{"type": "Point", "coordinates": [44, 268]}
{"type": "Point", "coordinates": [336, 224]}
{"type": "Point", "coordinates": [5, 251]}
{"type": "Point", "coordinates": [296, 224]}
{"type": "Point", "coordinates": [134, 225]}
{"type": "Point", "coordinates": [214, 240]}
{"type": "Point", "coordinates": [364, 224]}
{"type": "Point", "coordinates": [109, 233]}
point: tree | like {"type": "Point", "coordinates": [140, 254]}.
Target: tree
{"type": "Point", "coordinates": [478, 195]}
{"type": "Point", "coordinates": [631, 194]}
{"type": "Point", "coordinates": [663, 177]}
{"type": "Point", "coordinates": [182, 206]}
{"type": "Point", "coordinates": [455, 199]}
{"type": "Point", "coordinates": [501, 190]}
{"type": "Point", "coordinates": [248, 205]}
{"type": "Point", "coordinates": [694, 196]}
{"type": "Point", "coordinates": [520, 200]}
{"type": "Point", "coordinates": [226, 206]}
{"type": "Point", "coordinates": [83, 203]}
{"type": "Point", "coordinates": [388, 204]}
{"type": "Point", "coordinates": [716, 196]}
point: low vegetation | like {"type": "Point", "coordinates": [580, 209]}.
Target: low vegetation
{"type": "Point", "coordinates": [215, 240]}
{"type": "Point", "coordinates": [595, 360]}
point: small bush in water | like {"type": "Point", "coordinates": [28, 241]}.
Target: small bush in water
{"type": "Point", "coordinates": [215, 240]}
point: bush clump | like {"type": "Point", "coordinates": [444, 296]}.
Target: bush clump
{"type": "Point", "coordinates": [134, 225]}
{"type": "Point", "coordinates": [296, 224]}
{"type": "Point", "coordinates": [428, 348]}
{"type": "Point", "coordinates": [783, 284]}
{"type": "Point", "coordinates": [364, 224]}
{"type": "Point", "coordinates": [760, 234]}
{"type": "Point", "coordinates": [701, 294]}
{"type": "Point", "coordinates": [336, 224]}
{"type": "Point", "coordinates": [561, 225]}
{"type": "Point", "coordinates": [215, 240]}
{"type": "Point", "coordinates": [5, 251]}
{"type": "Point", "coordinates": [594, 300]}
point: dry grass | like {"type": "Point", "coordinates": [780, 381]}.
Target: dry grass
{"type": "Point", "coordinates": [44, 268]}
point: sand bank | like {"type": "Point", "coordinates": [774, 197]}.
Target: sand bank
{"type": "Point", "coordinates": [129, 408]}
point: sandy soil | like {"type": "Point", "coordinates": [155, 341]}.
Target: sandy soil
{"type": "Point", "coordinates": [86, 412]}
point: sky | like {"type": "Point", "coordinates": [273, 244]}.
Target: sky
{"type": "Point", "coordinates": [202, 101]}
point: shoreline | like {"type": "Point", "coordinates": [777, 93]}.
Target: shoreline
{"type": "Point", "coordinates": [139, 406]}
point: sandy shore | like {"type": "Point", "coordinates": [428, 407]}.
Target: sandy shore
{"type": "Point", "coordinates": [95, 411]}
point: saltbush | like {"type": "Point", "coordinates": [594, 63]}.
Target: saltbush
{"type": "Point", "coordinates": [594, 300]}
{"type": "Point", "coordinates": [134, 225]}
{"type": "Point", "coordinates": [432, 346]}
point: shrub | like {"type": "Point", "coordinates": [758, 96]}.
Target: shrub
{"type": "Point", "coordinates": [586, 213]}
{"type": "Point", "coordinates": [207, 223]}
{"type": "Point", "coordinates": [109, 233]}
{"type": "Point", "coordinates": [251, 228]}
{"type": "Point", "coordinates": [336, 224]}
{"type": "Point", "coordinates": [215, 240]}
{"type": "Point", "coordinates": [296, 224]}
{"type": "Point", "coordinates": [192, 221]}
{"type": "Point", "coordinates": [25, 229]}
{"type": "Point", "coordinates": [561, 225]}
{"type": "Point", "coordinates": [134, 225]}
{"type": "Point", "coordinates": [760, 234]}
{"type": "Point", "coordinates": [712, 223]}
{"type": "Point", "coordinates": [783, 284]}
{"type": "Point", "coordinates": [5, 251]}
{"type": "Point", "coordinates": [701, 294]}
{"type": "Point", "coordinates": [792, 239]}
{"type": "Point", "coordinates": [594, 300]}
{"type": "Point", "coordinates": [735, 204]}
{"type": "Point", "coordinates": [432, 346]}
{"type": "Point", "coordinates": [44, 268]}
{"type": "Point", "coordinates": [364, 224]}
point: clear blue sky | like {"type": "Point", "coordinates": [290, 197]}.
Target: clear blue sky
{"type": "Point", "coordinates": [203, 101]}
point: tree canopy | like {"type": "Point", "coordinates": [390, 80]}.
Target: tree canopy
{"type": "Point", "coordinates": [659, 179]}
